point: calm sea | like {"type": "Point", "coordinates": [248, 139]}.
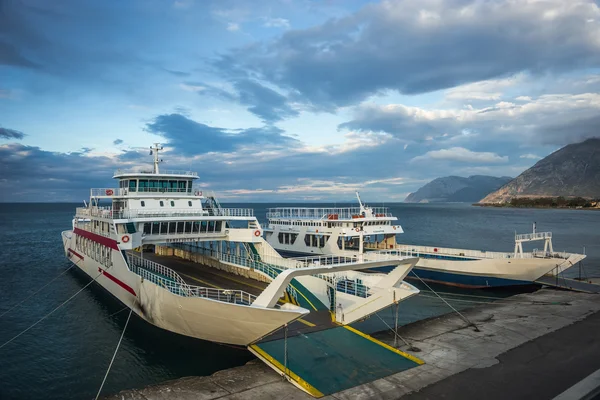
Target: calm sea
{"type": "Point", "coordinates": [67, 354]}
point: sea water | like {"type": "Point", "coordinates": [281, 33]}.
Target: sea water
{"type": "Point", "coordinates": [66, 355]}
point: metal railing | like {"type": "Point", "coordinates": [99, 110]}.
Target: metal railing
{"type": "Point", "coordinates": [194, 192]}
{"type": "Point", "coordinates": [534, 236]}
{"type": "Point", "coordinates": [418, 251]}
{"type": "Point", "coordinates": [170, 280]}
{"type": "Point", "coordinates": [107, 212]}
{"type": "Point", "coordinates": [335, 213]}
{"type": "Point", "coordinates": [163, 172]}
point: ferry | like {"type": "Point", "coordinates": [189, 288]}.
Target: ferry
{"type": "Point", "coordinates": [167, 210]}
{"type": "Point", "coordinates": [298, 231]}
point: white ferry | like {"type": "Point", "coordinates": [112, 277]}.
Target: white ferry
{"type": "Point", "coordinates": [166, 209]}
{"type": "Point", "coordinates": [345, 231]}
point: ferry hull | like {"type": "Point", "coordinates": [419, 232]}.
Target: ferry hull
{"type": "Point", "coordinates": [477, 274]}
{"type": "Point", "coordinates": [196, 317]}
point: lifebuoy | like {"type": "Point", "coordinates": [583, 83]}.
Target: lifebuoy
{"type": "Point", "coordinates": [435, 250]}
{"type": "Point", "coordinates": [257, 233]}
{"type": "Point", "coordinates": [394, 227]}
{"type": "Point", "coordinates": [125, 239]}
{"type": "Point", "coordinates": [357, 230]}
{"type": "Point", "coordinates": [317, 231]}
{"type": "Point", "coordinates": [109, 192]}
{"type": "Point", "coordinates": [198, 193]}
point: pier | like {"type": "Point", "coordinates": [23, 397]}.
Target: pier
{"type": "Point", "coordinates": [534, 345]}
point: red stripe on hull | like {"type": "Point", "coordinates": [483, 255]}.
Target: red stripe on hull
{"type": "Point", "coordinates": [118, 282]}
{"type": "Point", "coordinates": [108, 242]}
{"type": "Point", "coordinates": [76, 253]}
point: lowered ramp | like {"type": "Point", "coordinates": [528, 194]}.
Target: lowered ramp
{"type": "Point", "coordinates": [561, 282]}
{"type": "Point", "coordinates": [327, 361]}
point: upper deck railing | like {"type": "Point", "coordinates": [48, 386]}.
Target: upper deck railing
{"type": "Point", "coordinates": [163, 172]}
{"type": "Point", "coordinates": [335, 213]}
{"type": "Point", "coordinates": [107, 212]}
{"type": "Point", "coordinates": [110, 192]}
{"type": "Point", "coordinates": [534, 236]}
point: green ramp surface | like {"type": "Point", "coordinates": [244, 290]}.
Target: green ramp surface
{"type": "Point", "coordinates": [336, 359]}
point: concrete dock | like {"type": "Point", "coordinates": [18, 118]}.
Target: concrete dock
{"type": "Point", "coordinates": [534, 345]}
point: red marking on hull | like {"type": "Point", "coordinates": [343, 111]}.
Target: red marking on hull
{"type": "Point", "coordinates": [117, 281]}
{"type": "Point", "coordinates": [108, 242]}
{"type": "Point", "coordinates": [75, 253]}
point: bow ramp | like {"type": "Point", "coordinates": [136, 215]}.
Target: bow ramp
{"type": "Point", "coordinates": [320, 353]}
{"type": "Point", "coordinates": [328, 358]}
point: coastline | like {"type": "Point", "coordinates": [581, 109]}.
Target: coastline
{"type": "Point", "coordinates": [509, 205]}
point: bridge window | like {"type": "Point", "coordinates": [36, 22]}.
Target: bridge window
{"type": "Point", "coordinates": [203, 226]}
{"type": "Point", "coordinates": [164, 186]}
{"type": "Point", "coordinates": [211, 226]}
{"type": "Point", "coordinates": [147, 228]}
{"type": "Point", "coordinates": [132, 185]}
{"type": "Point", "coordinates": [196, 226]}
{"type": "Point", "coordinates": [143, 185]}
{"type": "Point", "coordinates": [153, 186]}
{"type": "Point", "coordinates": [164, 228]}
{"type": "Point", "coordinates": [218, 226]}
{"type": "Point", "coordinates": [172, 186]}
{"type": "Point", "coordinates": [181, 186]}
{"type": "Point", "coordinates": [172, 227]}
{"type": "Point", "coordinates": [180, 226]}
{"type": "Point", "coordinates": [156, 228]}
{"type": "Point", "coordinates": [188, 227]}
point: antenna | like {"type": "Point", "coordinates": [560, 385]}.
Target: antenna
{"type": "Point", "coordinates": [154, 150]}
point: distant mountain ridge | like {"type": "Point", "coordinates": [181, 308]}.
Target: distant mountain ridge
{"type": "Point", "coordinates": [457, 189]}
{"type": "Point", "coordinates": [573, 171]}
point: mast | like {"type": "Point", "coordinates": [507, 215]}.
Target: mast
{"type": "Point", "coordinates": [362, 208]}
{"type": "Point", "coordinates": [154, 150]}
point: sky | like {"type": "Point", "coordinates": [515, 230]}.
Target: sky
{"type": "Point", "coordinates": [291, 100]}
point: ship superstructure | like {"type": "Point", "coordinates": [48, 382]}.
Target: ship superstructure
{"type": "Point", "coordinates": [165, 209]}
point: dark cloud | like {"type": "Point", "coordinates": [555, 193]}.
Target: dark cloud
{"type": "Point", "coordinates": [6, 133]}
{"type": "Point", "coordinates": [265, 103]}
{"type": "Point", "coordinates": [117, 142]}
{"type": "Point", "coordinates": [416, 47]}
{"type": "Point", "coordinates": [189, 137]}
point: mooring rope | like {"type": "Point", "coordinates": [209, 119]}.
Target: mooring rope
{"type": "Point", "coordinates": [448, 304]}
{"type": "Point", "coordinates": [114, 354]}
{"type": "Point", "coordinates": [51, 312]}
{"type": "Point", "coordinates": [395, 333]}
{"type": "Point", "coordinates": [36, 292]}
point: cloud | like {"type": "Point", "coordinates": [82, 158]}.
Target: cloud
{"type": "Point", "coordinates": [190, 138]}
{"type": "Point", "coordinates": [6, 133]}
{"type": "Point", "coordinates": [530, 156]}
{"type": "Point", "coordinates": [277, 23]}
{"type": "Point", "coordinates": [117, 142]}
{"type": "Point", "coordinates": [461, 154]}
{"type": "Point", "coordinates": [233, 27]}
{"type": "Point", "coordinates": [416, 47]}
{"type": "Point", "coordinates": [266, 103]}
{"type": "Point", "coordinates": [550, 119]}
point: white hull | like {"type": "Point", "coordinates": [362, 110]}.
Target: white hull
{"type": "Point", "coordinates": [197, 317]}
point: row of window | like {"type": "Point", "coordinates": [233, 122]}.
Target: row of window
{"type": "Point", "coordinates": [316, 240]}
{"type": "Point", "coordinates": [162, 203]}
{"type": "Point", "coordinates": [94, 250]}
{"type": "Point", "coordinates": [155, 185]}
{"type": "Point", "coordinates": [332, 224]}
{"type": "Point", "coordinates": [287, 238]}
{"type": "Point", "coordinates": [174, 227]}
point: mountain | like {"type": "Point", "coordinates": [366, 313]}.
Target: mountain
{"type": "Point", "coordinates": [457, 189]}
{"type": "Point", "coordinates": [571, 171]}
